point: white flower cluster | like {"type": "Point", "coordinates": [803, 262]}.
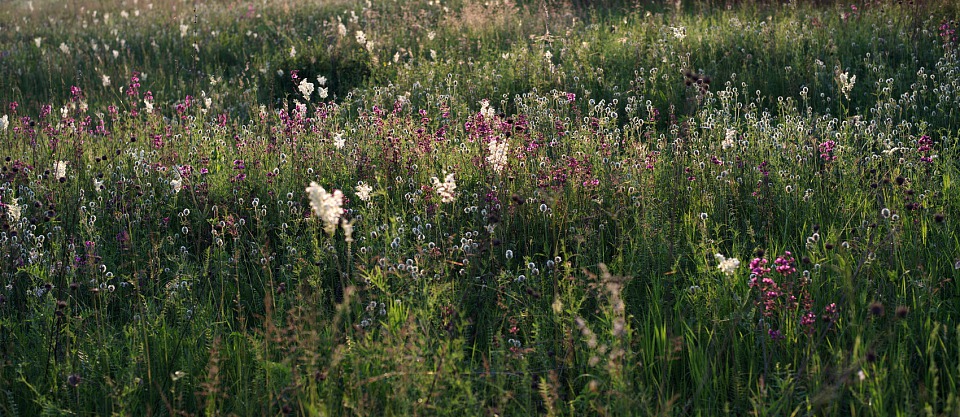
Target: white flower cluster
{"type": "Point", "coordinates": [363, 191]}
{"type": "Point", "coordinates": [4, 122]}
{"type": "Point", "coordinates": [727, 265]}
{"type": "Point", "coordinates": [679, 32]}
{"type": "Point", "coordinates": [846, 82]}
{"type": "Point", "coordinates": [730, 139]}
{"type": "Point", "coordinates": [59, 169]}
{"type": "Point", "coordinates": [446, 189]}
{"type": "Point", "coordinates": [498, 155]}
{"type": "Point", "coordinates": [13, 210]}
{"type": "Point", "coordinates": [328, 207]}
{"type": "Point", "coordinates": [485, 110]}
{"type": "Point", "coordinates": [306, 88]}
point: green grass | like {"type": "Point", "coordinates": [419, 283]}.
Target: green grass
{"type": "Point", "coordinates": [176, 266]}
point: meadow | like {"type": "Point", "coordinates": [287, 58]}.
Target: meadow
{"type": "Point", "coordinates": [466, 207]}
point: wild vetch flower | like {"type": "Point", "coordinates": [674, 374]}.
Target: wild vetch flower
{"type": "Point", "coordinates": [785, 263]}
{"type": "Point", "coordinates": [498, 155]}
{"type": "Point", "coordinates": [727, 265]}
{"type": "Point", "coordinates": [328, 207]}
{"type": "Point", "coordinates": [363, 191]}
{"type": "Point", "coordinates": [446, 189]}
{"type": "Point", "coordinates": [306, 88]}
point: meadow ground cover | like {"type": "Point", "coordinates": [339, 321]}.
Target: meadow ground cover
{"type": "Point", "coordinates": [479, 208]}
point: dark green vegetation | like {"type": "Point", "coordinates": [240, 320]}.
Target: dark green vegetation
{"type": "Point", "coordinates": [162, 253]}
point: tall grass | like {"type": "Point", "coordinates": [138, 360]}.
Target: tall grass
{"type": "Point", "coordinates": [162, 253]}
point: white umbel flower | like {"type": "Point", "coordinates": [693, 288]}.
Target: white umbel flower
{"type": "Point", "coordinates": [306, 88]}
{"type": "Point", "coordinates": [498, 155]}
{"type": "Point", "coordinates": [727, 265]}
{"type": "Point", "coordinates": [446, 189]}
{"type": "Point", "coordinates": [14, 210]}
{"type": "Point", "coordinates": [59, 169]}
{"type": "Point", "coordinates": [328, 207]}
{"type": "Point", "coordinates": [176, 185]}
{"type": "Point", "coordinates": [363, 191]}
{"type": "Point", "coordinates": [486, 110]}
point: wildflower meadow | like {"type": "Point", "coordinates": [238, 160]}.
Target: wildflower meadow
{"type": "Point", "coordinates": [479, 207]}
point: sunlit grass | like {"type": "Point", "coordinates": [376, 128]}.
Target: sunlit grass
{"type": "Point", "coordinates": [524, 210]}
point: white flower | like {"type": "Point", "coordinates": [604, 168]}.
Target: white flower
{"type": "Point", "coordinates": [727, 265]}
{"type": "Point", "coordinates": [149, 105]}
{"type": "Point", "coordinates": [306, 88]}
{"type": "Point", "coordinates": [105, 80]}
{"type": "Point", "coordinates": [176, 185]}
{"type": "Point", "coordinates": [431, 34]}
{"type": "Point", "coordinates": [548, 55]}
{"type": "Point", "coordinates": [361, 37]}
{"type": "Point", "coordinates": [498, 155]}
{"type": "Point", "coordinates": [4, 122]}
{"type": "Point", "coordinates": [679, 32]}
{"type": "Point", "coordinates": [116, 53]}
{"type": "Point", "coordinates": [321, 80]}
{"type": "Point", "coordinates": [37, 41]}
{"type": "Point", "coordinates": [363, 191]}
{"type": "Point", "coordinates": [60, 169]}
{"type": "Point", "coordinates": [446, 189]}
{"type": "Point", "coordinates": [341, 29]}
{"type": "Point", "coordinates": [729, 139]}
{"type": "Point", "coordinates": [293, 52]}
{"type": "Point", "coordinates": [347, 231]}
{"type": "Point", "coordinates": [846, 83]}
{"type": "Point", "coordinates": [433, 54]}
{"type": "Point", "coordinates": [183, 30]}
{"type": "Point", "coordinates": [97, 185]}
{"type": "Point", "coordinates": [323, 92]}
{"type": "Point", "coordinates": [328, 207]}
{"type": "Point", "coordinates": [339, 141]}
{"type": "Point", "coordinates": [486, 110]}
{"type": "Point", "coordinates": [64, 48]}
{"type": "Point", "coordinates": [13, 210]}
